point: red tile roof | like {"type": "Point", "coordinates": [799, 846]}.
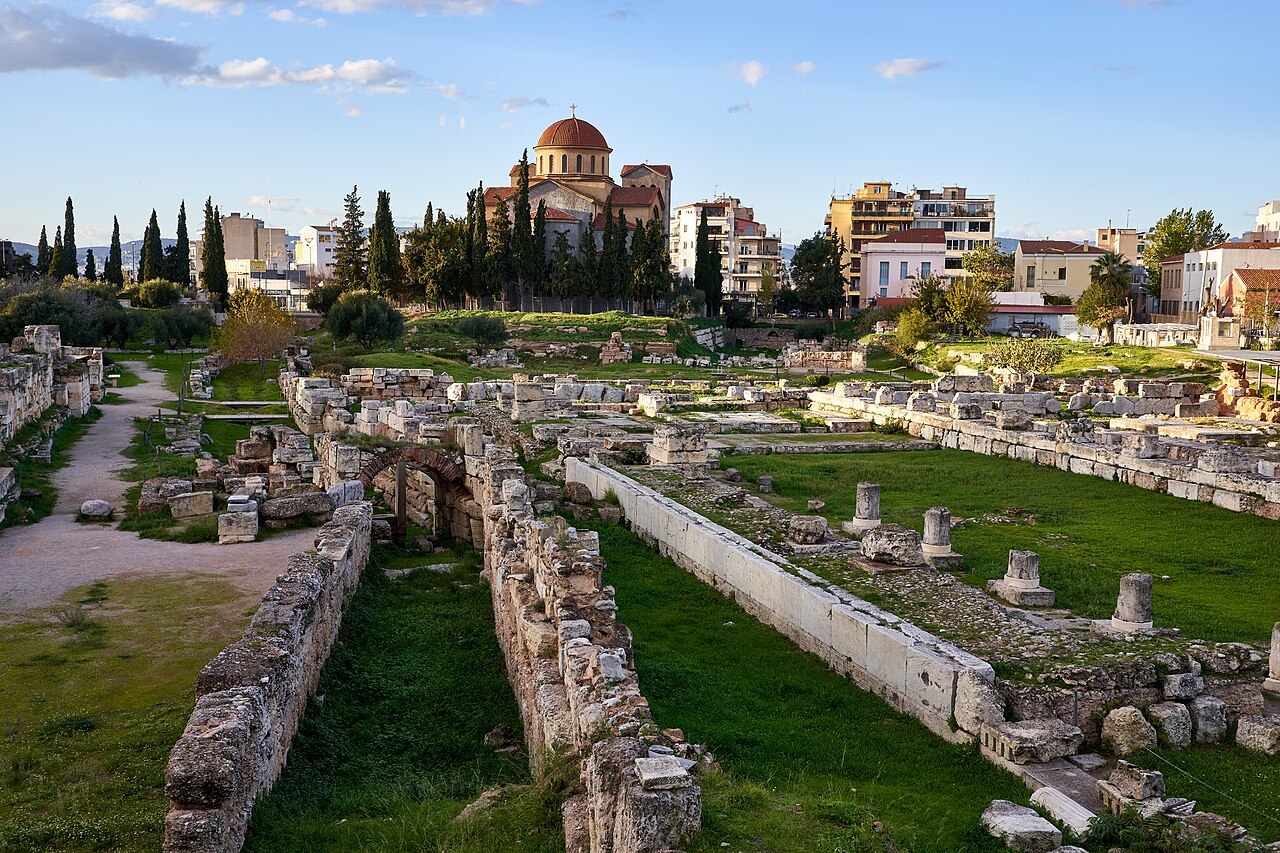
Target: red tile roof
{"type": "Point", "coordinates": [1058, 247]}
{"type": "Point", "coordinates": [912, 235]}
{"type": "Point", "coordinates": [656, 167]}
{"type": "Point", "coordinates": [1033, 309]}
{"type": "Point", "coordinates": [1243, 245]}
{"type": "Point", "coordinates": [1259, 279]}
{"type": "Point", "coordinates": [1173, 259]}
{"type": "Point", "coordinates": [555, 214]}
{"type": "Point", "coordinates": [598, 223]}
{"type": "Point", "coordinates": [492, 194]}
{"type": "Point", "coordinates": [633, 196]}
{"type": "Point", "coordinates": [573, 133]}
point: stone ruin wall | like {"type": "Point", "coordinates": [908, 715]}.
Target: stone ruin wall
{"type": "Point", "coordinates": [1220, 475]}
{"type": "Point", "coordinates": [37, 371]}
{"type": "Point", "coordinates": [252, 695]}
{"type": "Point", "coordinates": [812, 356]}
{"type": "Point", "coordinates": [573, 671]}
{"type": "Point", "coordinates": [947, 689]}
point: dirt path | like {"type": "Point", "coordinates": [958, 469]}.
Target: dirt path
{"type": "Point", "coordinates": [40, 563]}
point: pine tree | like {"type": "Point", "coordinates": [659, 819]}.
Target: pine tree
{"type": "Point", "coordinates": [90, 268]}
{"type": "Point", "coordinates": [153, 262]}
{"type": "Point", "coordinates": [522, 251]}
{"type": "Point", "coordinates": [55, 256]}
{"type": "Point", "coordinates": [349, 254]}
{"type": "Point", "coordinates": [213, 260]}
{"type": "Point", "coordinates": [706, 266]}
{"type": "Point", "coordinates": [69, 262]}
{"type": "Point", "coordinates": [180, 259]}
{"type": "Point", "coordinates": [540, 246]}
{"type": "Point", "coordinates": [113, 273]}
{"type": "Point", "coordinates": [386, 271]}
{"type": "Point", "coordinates": [44, 255]}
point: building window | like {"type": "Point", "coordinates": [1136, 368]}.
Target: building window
{"type": "Point", "coordinates": [539, 164]}
{"type": "Point", "coordinates": [579, 169]}
{"type": "Point", "coordinates": [564, 163]}
{"type": "Point", "coordinates": [902, 269]}
{"type": "Point", "coordinates": [551, 164]}
{"type": "Point", "coordinates": [593, 164]}
{"type": "Point", "coordinates": [925, 269]}
{"type": "Point", "coordinates": [884, 272]}
{"type": "Point", "coordinates": [1062, 273]}
{"type": "Point", "coordinates": [884, 291]}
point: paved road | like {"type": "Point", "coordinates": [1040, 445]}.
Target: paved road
{"type": "Point", "coordinates": [40, 563]}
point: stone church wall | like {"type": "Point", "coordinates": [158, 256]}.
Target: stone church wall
{"type": "Point", "coordinates": [251, 697]}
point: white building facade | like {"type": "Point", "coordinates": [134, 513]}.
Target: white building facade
{"type": "Point", "coordinates": [1204, 272]}
{"type": "Point", "coordinates": [969, 222]}
{"type": "Point", "coordinates": [316, 245]}
{"type": "Point", "coordinates": [892, 265]}
{"type": "Point", "coordinates": [748, 253]}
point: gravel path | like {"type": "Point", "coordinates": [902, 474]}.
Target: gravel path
{"type": "Point", "coordinates": [40, 563]}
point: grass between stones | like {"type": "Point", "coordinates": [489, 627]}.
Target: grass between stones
{"type": "Point", "coordinates": [95, 694]}
{"type": "Point", "coordinates": [36, 478]}
{"type": "Point", "coordinates": [248, 382]}
{"type": "Point", "coordinates": [1228, 780]}
{"type": "Point", "coordinates": [1088, 532]}
{"type": "Point", "coordinates": [813, 762]}
{"type": "Point", "coordinates": [391, 748]}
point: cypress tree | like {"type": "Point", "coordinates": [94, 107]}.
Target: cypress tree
{"type": "Point", "coordinates": [429, 219]}
{"type": "Point", "coordinates": [153, 263]}
{"type": "Point", "coordinates": [55, 256]}
{"type": "Point", "coordinates": [70, 262]}
{"type": "Point", "coordinates": [180, 264]}
{"type": "Point", "coordinates": [587, 261]}
{"type": "Point", "coordinates": [706, 270]}
{"type": "Point", "coordinates": [44, 255]}
{"type": "Point", "coordinates": [480, 247]}
{"type": "Point", "coordinates": [522, 252]}
{"type": "Point", "coordinates": [386, 272]}
{"type": "Point", "coordinates": [213, 261]}
{"type": "Point", "coordinates": [621, 257]}
{"type": "Point", "coordinates": [90, 268]}
{"type": "Point", "coordinates": [113, 273]}
{"type": "Point", "coordinates": [498, 262]}
{"type": "Point", "coordinates": [606, 269]}
{"type": "Point", "coordinates": [349, 254]}
{"type": "Point", "coordinates": [540, 245]}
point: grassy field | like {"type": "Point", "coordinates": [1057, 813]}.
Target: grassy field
{"type": "Point", "coordinates": [395, 750]}
{"type": "Point", "coordinates": [1087, 531]}
{"type": "Point", "coordinates": [1241, 784]}
{"type": "Point", "coordinates": [95, 695]}
{"type": "Point", "coordinates": [249, 382]}
{"type": "Point", "coordinates": [812, 760]}
{"type": "Point", "coordinates": [1084, 357]}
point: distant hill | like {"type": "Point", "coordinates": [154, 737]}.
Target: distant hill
{"type": "Point", "coordinates": [131, 249]}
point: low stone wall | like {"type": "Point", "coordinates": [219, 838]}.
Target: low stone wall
{"type": "Point", "coordinates": [251, 697]}
{"type": "Point", "coordinates": [573, 671]}
{"type": "Point", "coordinates": [914, 671]}
{"type": "Point", "coordinates": [37, 371]}
{"type": "Point", "coordinates": [1139, 459]}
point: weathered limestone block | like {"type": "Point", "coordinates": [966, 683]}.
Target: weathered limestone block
{"type": "Point", "coordinates": [1133, 605]}
{"type": "Point", "coordinates": [191, 504]}
{"type": "Point", "coordinates": [765, 483]}
{"type": "Point", "coordinates": [977, 703]}
{"type": "Point", "coordinates": [893, 544]}
{"type": "Point", "coordinates": [294, 506]}
{"type": "Point", "coordinates": [807, 529]}
{"type": "Point", "coordinates": [1012, 419]}
{"type": "Point", "coordinates": [1066, 811]}
{"type": "Point", "coordinates": [866, 513]}
{"type": "Point", "coordinates": [1021, 828]}
{"type": "Point", "coordinates": [966, 411]}
{"type": "Point", "coordinates": [1259, 733]}
{"type": "Point", "coordinates": [1208, 719]}
{"type": "Point", "coordinates": [921, 401]}
{"type": "Point", "coordinates": [1272, 682]}
{"type": "Point", "coordinates": [1032, 741]}
{"type": "Point", "coordinates": [96, 509]}
{"type": "Point", "coordinates": [1172, 722]}
{"type": "Point", "coordinates": [1125, 731]}
{"type": "Point", "coordinates": [937, 530]}
{"type": "Point", "coordinates": [252, 448]}
{"type": "Point", "coordinates": [235, 527]}
{"type": "Point", "coordinates": [1225, 460]}
{"type": "Point", "coordinates": [1136, 783]}
{"type": "Point", "coordinates": [345, 492]}
{"type": "Point", "coordinates": [1020, 585]}
{"type": "Point", "coordinates": [1183, 685]}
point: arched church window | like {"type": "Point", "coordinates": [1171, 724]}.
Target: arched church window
{"type": "Point", "coordinates": [579, 168]}
{"type": "Point", "coordinates": [593, 164]}
{"type": "Point", "coordinates": [564, 162]}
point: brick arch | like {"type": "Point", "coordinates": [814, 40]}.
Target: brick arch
{"type": "Point", "coordinates": [444, 469]}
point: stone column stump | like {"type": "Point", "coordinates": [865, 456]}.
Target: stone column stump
{"type": "Point", "coordinates": [866, 515]}
{"type": "Point", "coordinates": [1272, 682]}
{"type": "Point", "coordinates": [937, 539]}
{"type": "Point", "coordinates": [1020, 585]}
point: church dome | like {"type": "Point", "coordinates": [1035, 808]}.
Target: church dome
{"type": "Point", "coordinates": [572, 133]}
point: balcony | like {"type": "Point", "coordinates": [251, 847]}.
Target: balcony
{"type": "Point", "coordinates": [878, 214]}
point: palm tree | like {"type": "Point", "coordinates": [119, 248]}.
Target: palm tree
{"type": "Point", "coordinates": [1102, 302]}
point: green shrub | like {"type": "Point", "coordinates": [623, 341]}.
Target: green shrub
{"type": "Point", "coordinates": [115, 325]}
{"type": "Point", "coordinates": [156, 293]}
{"type": "Point", "coordinates": [323, 296]}
{"type": "Point", "coordinates": [177, 326]}
{"type": "Point", "coordinates": [913, 327]}
{"type": "Point", "coordinates": [69, 309]}
{"type": "Point", "coordinates": [365, 317]}
{"type": "Point", "coordinates": [811, 331]}
{"type": "Point", "coordinates": [484, 330]}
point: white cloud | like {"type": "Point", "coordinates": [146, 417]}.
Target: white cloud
{"type": "Point", "coordinates": [462, 122]}
{"type": "Point", "coordinates": [905, 67]}
{"type": "Point", "coordinates": [283, 204]}
{"type": "Point", "coordinates": [744, 107]}
{"type": "Point", "coordinates": [752, 71]}
{"type": "Point", "coordinates": [380, 76]}
{"type": "Point", "coordinates": [204, 7]}
{"type": "Point", "coordinates": [449, 90]}
{"type": "Point", "coordinates": [48, 39]}
{"type": "Point", "coordinates": [350, 109]}
{"type": "Point", "coordinates": [442, 121]}
{"type": "Point", "coordinates": [119, 10]}
{"type": "Point", "coordinates": [418, 7]}
{"type": "Point", "coordinates": [1030, 231]}
{"type": "Point", "coordinates": [805, 67]}
{"type": "Point", "coordinates": [519, 102]}
{"type": "Point", "coordinates": [288, 16]}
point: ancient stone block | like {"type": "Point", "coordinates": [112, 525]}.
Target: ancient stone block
{"type": "Point", "coordinates": [234, 527]}
{"type": "Point", "coordinates": [346, 492]}
{"type": "Point", "coordinates": [1172, 722]}
{"type": "Point", "coordinates": [893, 544]}
{"type": "Point", "coordinates": [295, 506]}
{"type": "Point", "coordinates": [1125, 731]}
{"type": "Point", "coordinates": [1032, 741]}
{"type": "Point", "coordinates": [1133, 605]}
{"type": "Point", "coordinates": [96, 509]}
{"type": "Point", "coordinates": [978, 703]}
{"type": "Point", "coordinates": [1259, 733]}
{"type": "Point", "coordinates": [1208, 719]}
{"type": "Point", "coordinates": [191, 504]}
{"type": "Point", "coordinates": [807, 529]}
{"type": "Point", "coordinates": [1183, 685]}
{"type": "Point", "coordinates": [662, 772]}
{"type": "Point", "coordinates": [1135, 782]}
{"type": "Point", "coordinates": [1021, 828]}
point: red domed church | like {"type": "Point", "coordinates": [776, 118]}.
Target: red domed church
{"type": "Point", "coordinates": [569, 170]}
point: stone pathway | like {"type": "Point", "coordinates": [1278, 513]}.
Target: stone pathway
{"type": "Point", "coordinates": [40, 563]}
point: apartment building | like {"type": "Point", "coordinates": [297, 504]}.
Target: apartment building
{"type": "Point", "coordinates": [1204, 272]}
{"type": "Point", "coordinates": [315, 249]}
{"type": "Point", "coordinates": [877, 209]}
{"type": "Point", "coordinates": [247, 238]}
{"type": "Point", "coordinates": [895, 261]}
{"type": "Point", "coordinates": [1266, 228]}
{"type": "Point", "coordinates": [748, 252]}
{"type": "Point", "coordinates": [1053, 267]}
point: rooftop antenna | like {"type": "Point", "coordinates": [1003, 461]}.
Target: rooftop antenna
{"type": "Point", "coordinates": [1126, 217]}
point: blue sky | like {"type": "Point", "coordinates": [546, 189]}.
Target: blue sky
{"type": "Point", "coordinates": [1072, 113]}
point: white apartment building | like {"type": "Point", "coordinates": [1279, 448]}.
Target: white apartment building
{"type": "Point", "coordinates": [1204, 272]}
{"type": "Point", "coordinates": [892, 264]}
{"type": "Point", "coordinates": [969, 222]}
{"type": "Point", "coordinates": [747, 251]}
{"type": "Point", "coordinates": [316, 245]}
{"type": "Point", "coordinates": [1267, 225]}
